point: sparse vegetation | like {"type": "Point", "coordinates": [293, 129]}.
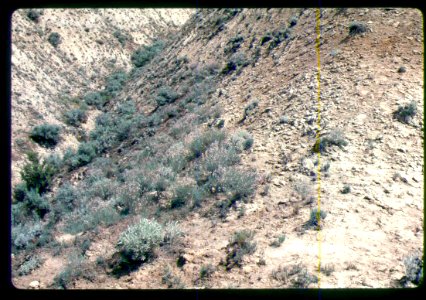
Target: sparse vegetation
{"type": "Point", "coordinates": [30, 265]}
{"type": "Point", "coordinates": [172, 281]}
{"type": "Point", "coordinates": [327, 269]}
{"type": "Point", "coordinates": [276, 243]}
{"type": "Point", "coordinates": [297, 276]}
{"type": "Point", "coordinates": [46, 135]}
{"type": "Point", "coordinates": [234, 44]}
{"type": "Point", "coordinates": [206, 271]}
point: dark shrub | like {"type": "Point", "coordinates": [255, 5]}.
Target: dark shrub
{"type": "Point", "coordinates": [75, 117]}
{"type": "Point", "coordinates": [122, 38]}
{"type": "Point", "coordinates": [37, 175]}
{"type": "Point", "coordinates": [46, 135]}
{"type": "Point", "coordinates": [239, 245]}
{"type": "Point", "coordinates": [95, 99]}
{"type": "Point", "coordinates": [66, 196]}
{"type": "Point", "coordinates": [19, 192]}
{"type": "Point", "coordinates": [33, 15]}
{"type": "Point", "coordinates": [414, 268]}
{"type": "Point", "coordinates": [334, 137]}
{"type": "Point", "coordinates": [166, 95]}
{"type": "Point", "coordinates": [54, 39]}
{"type": "Point", "coordinates": [357, 28]}
{"type": "Point", "coordinates": [315, 217]}
{"type": "Point", "coordinates": [36, 203]}
{"type": "Point", "coordinates": [143, 55]}
{"type": "Point", "coordinates": [234, 44]}
{"type": "Point", "coordinates": [115, 83]}
{"type": "Point", "coordinates": [405, 113]}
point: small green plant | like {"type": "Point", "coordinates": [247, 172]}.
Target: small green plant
{"type": "Point", "coordinates": [242, 140]}
{"type": "Point", "coordinates": [46, 135]}
{"type": "Point", "coordinates": [346, 189]}
{"type": "Point", "coordinates": [236, 63]}
{"type": "Point", "coordinates": [171, 280]}
{"type": "Point", "coordinates": [121, 37]}
{"type": "Point", "coordinates": [239, 245]}
{"type": "Point", "coordinates": [37, 175]}
{"type": "Point", "coordinates": [54, 39]}
{"type": "Point", "coordinates": [357, 28]}
{"type": "Point", "coordinates": [406, 112]}
{"type": "Point", "coordinates": [206, 271]}
{"type": "Point", "coordinates": [334, 137]}
{"type": "Point", "coordinates": [316, 217]}
{"type": "Point", "coordinates": [276, 243]}
{"type": "Point", "coordinates": [234, 44]}
{"type": "Point", "coordinates": [327, 269]}
{"type": "Point", "coordinates": [297, 275]}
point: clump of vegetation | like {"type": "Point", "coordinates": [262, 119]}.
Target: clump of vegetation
{"type": "Point", "coordinates": [95, 99]}
{"type": "Point", "coordinates": [165, 96]}
{"type": "Point", "coordinates": [316, 217]}
{"type": "Point", "coordinates": [276, 243]}
{"type": "Point", "coordinates": [121, 37]}
{"type": "Point", "coordinates": [346, 189]}
{"type": "Point", "coordinates": [293, 21]}
{"type": "Point", "coordinates": [75, 117]}
{"type": "Point", "coordinates": [239, 245]}
{"type": "Point", "coordinates": [30, 265]}
{"type": "Point", "coordinates": [54, 39]}
{"type": "Point", "coordinates": [304, 189]}
{"type": "Point", "coordinates": [413, 269]}
{"type": "Point", "coordinates": [357, 28]}
{"type": "Point", "coordinates": [33, 15]}
{"type": "Point", "coordinates": [236, 63]}
{"type": "Point", "coordinates": [327, 269]}
{"type": "Point", "coordinates": [334, 137]}
{"type": "Point", "coordinates": [139, 241]}
{"type": "Point", "coordinates": [249, 109]}
{"type": "Point", "coordinates": [76, 268]}
{"type": "Point", "coordinates": [171, 280]}
{"type": "Point", "coordinates": [297, 275]}
{"type": "Point", "coordinates": [37, 176]}
{"type": "Point", "coordinates": [201, 142]}
{"type": "Point", "coordinates": [46, 135]}
{"type": "Point", "coordinates": [234, 44]}
{"type": "Point", "coordinates": [143, 55]}
{"type": "Point", "coordinates": [206, 271]}
{"type": "Point", "coordinates": [242, 140]}
{"type": "Point", "coordinates": [406, 112]}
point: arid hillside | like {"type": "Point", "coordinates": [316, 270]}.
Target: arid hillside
{"type": "Point", "coordinates": [204, 168]}
{"type": "Point", "coordinates": [92, 43]}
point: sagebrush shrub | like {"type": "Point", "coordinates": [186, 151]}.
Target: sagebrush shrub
{"type": "Point", "coordinates": [240, 244]}
{"type": "Point", "coordinates": [54, 39]}
{"type": "Point", "coordinates": [29, 265]}
{"type": "Point", "coordinates": [37, 175]}
{"type": "Point", "coordinates": [66, 196]}
{"type": "Point", "coordinates": [139, 241]}
{"type": "Point", "coordinates": [357, 28]}
{"type": "Point", "coordinates": [95, 99]}
{"type": "Point", "coordinates": [242, 140]}
{"type": "Point", "coordinates": [334, 137]}
{"type": "Point", "coordinates": [166, 95]}
{"type": "Point", "coordinates": [19, 192]}
{"type": "Point", "coordinates": [406, 112]}
{"type": "Point", "coordinates": [315, 217]}
{"type": "Point", "coordinates": [75, 117]}
{"type": "Point", "coordinates": [33, 15]}
{"type": "Point", "coordinates": [143, 55]}
{"type": "Point", "coordinates": [46, 135]}
{"type": "Point", "coordinates": [414, 268]}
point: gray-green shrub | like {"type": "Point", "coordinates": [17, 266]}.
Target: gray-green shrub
{"type": "Point", "coordinates": [46, 135]}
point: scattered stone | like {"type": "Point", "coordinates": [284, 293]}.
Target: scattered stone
{"type": "Point", "coordinates": [34, 284]}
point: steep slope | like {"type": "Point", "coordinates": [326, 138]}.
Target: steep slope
{"type": "Point", "coordinates": [93, 43]}
{"type": "Point", "coordinates": [256, 70]}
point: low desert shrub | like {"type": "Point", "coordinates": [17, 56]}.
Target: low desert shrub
{"type": "Point", "coordinates": [239, 245]}
{"type": "Point", "coordinates": [46, 135]}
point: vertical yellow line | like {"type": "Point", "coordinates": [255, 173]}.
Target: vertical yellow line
{"type": "Point", "coordinates": [318, 32]}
